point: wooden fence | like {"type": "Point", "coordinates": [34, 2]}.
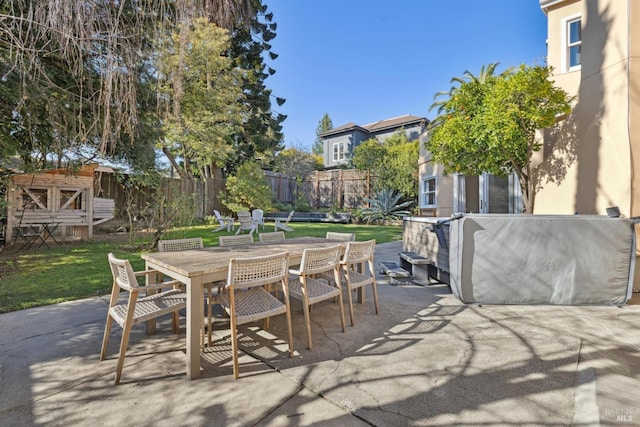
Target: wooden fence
{"type": "Point", "coordinates": [205, 193]}
{"type": "Point", "coordinates": [340, 189]}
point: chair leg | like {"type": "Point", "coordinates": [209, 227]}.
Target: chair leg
{"type": "Point", "coordinates": [307, 319]}
{"type": "Point", "coordinates": [375, 297]}
{"type": "Point", "coordinates": [176, 322]}
{"type": "Point", "coordinates": [285, 296]}
{"type": "Point", "coordinates": [126, 331]}
{"type": "Point", "coordinates": [234, 348]}
{"type": "Point", "coordinates": [350, 298]}
{"type": "Point", "coordinates": [342, 322]}
{"type": "Point", "coordinates": [209, 312]}
{"type": "Point", "coordinates": [105, 338]}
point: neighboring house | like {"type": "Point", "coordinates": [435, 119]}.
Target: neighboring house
{"type": "Point", "coordinates": [340, 142]}
{"type": "Point", "coordinates": [587, 163]}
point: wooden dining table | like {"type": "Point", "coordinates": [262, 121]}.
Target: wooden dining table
{"type": "Point", "coordinates": [195, 268]}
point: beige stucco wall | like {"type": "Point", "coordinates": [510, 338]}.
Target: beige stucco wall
{"type": "Point", "coordinates": [587, 165]}
{"type": "Point", "coordinates": [444, 184]}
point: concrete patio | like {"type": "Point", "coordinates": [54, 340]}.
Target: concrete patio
{"type": "Point", "coordinates": [426, 359]}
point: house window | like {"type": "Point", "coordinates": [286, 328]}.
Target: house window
{"type": "Point", "coordinates": [429, 192]}
{"type": "Point", "coordinates": [573, 44]}
{"type": "Point", "coordinates": [338, 151]}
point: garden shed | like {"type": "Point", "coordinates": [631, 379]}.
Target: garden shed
{"type": "Point", "coordinates": [65, 201]}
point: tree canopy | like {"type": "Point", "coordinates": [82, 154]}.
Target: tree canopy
{"type": "Point", "coordinates": [81, 76]}
{"type": "Point", "coordinates": [393, 163]}
{"type": "Point", "coordinates": [490, 124]}
{"type": "Point", "coordinates": [324, 125]}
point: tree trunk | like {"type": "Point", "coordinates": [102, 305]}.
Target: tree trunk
{"type": "Point", "coordinates": [174, 164]}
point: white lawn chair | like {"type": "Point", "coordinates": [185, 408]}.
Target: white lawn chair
{"type": "Point", "coordinates": [246, 223]}
{"type": "Point", "coordinates": [257, 215]}
{"type": "Point", "coordinates": [225, 222]}
{"type": "Point", "coordinates": [282, 224]}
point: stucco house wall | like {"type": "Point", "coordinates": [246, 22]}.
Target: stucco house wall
{"type": "Point", "coordinates": [587, 164]}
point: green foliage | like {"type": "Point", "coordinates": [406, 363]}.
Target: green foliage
{"type": "Point", "coordinates": [247, 189]}
{"type": "Point", "coordinates": [261, 132]}
{"type": "Point", "coordinates": [489, 124]}
{"type": "Point", "coordinates": [295, 162]}
{"type": "Point", "coordinates": [393, 163]}
{"type": "Point", "coordinates": [202, 89]}
{"type": "Point", "coordinates": [385, 206]}
{"type": "Point", "coordinates": [324, 125]}
{"type": "Point", "coordinates": [301, 204]}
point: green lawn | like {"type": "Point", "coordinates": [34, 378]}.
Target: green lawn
{"type": "Point", "coordinates": [36, 277]}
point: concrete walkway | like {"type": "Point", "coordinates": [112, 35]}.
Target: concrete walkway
{"type": "Point", "coordinates": [426, 359]}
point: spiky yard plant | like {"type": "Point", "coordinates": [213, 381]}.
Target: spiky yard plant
{"type": "Point", "coordinates": [385, 207]}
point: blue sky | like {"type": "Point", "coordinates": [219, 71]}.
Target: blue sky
{"type": "Point", "coordinates": [366, 60]}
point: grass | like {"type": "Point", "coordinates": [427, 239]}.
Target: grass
{"type": "Point", "coordinates": [71, 271]}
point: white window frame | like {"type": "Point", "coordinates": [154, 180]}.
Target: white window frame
{"type": "Point", "coordinates": [425, 193]}
{"type": "Point", "coordinates": [566, 45]}
{"type": "Point", "coordinates": [338, 154]}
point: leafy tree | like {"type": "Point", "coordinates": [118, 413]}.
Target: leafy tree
{"type": "Point", "coordinates": [74, 73]}
{"type": "Point", "coordinates": [296, 162]}
{"type": "Point", "coordinates": [247, 189]}
{"type": "Point", "coordinates": [393, 163]}
{"type": "Point", "coordinates": [324, 125]}
{"type": "Point", "coordinates": [491, 126]}
{"type": "Point", "coordinates": [261, 131]}
{"type": "Point", "coordinates": [202, 92]}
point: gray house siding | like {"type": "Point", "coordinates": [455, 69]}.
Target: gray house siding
{"type": "Point", "coordinates": [340, 142]}
{"type": "Point", "coordinates": [412, 133]}
{"type": "Point", "coordinates": [345, 143]}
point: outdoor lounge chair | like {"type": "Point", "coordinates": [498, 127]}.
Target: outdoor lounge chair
{"type": "Point", "coordinates": [137, 309]}
{"type": "Point", "coordinates": [282, 224]}
{"type": "Point", "coordinates": [306, 288]}
{"type": "Point", "coordinates": [225, 222]}
{"type": "Point", "coordinates": [257, 215]}
{"type": "Point", "coordinates": [357, 265]}
{"type": "Point", "coordinates": [246, 300]}
{"type": "Point", "coordinates": [246, 222]}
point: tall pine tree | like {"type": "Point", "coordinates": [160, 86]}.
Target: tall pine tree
{"type": "Point", "coordinates": [262, 129]}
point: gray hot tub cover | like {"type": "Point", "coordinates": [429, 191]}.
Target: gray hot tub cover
{"type": "Point", "coordinates": [541, 259]}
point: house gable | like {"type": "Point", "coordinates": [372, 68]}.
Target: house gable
{"type": "Point", "coordinates": [339, 143]}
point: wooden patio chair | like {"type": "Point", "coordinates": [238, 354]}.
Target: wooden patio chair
{"type": "Point", "coordinates": [188, 244]}
{"type": "Point", "coordinates": [345, 237]}
{"type": "Point", "coordinates": [310, 290]}
{"type": "Point", "coordinates": [176, 245]}
{"type": "Point", "coordinates": [246, 300]}
{"type": "Point", "coordinates": [137, 309]}
{"type": "Point", "coordinates": [273, 236]}
{"type": "Point", "coordinates": [357, 268]}
{"type": "Point", "coordinates": [242, 239]}
{"type": "Point", "coordinates": [224, 221]}
{"type": "Point", "coordinates": [283, 224]}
